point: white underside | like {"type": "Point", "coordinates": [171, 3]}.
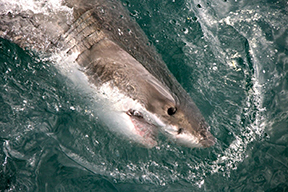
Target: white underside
{"type": "Point", "coordinates": [108, 103]}
{"type": "Point", "coordinates": [111, 105]}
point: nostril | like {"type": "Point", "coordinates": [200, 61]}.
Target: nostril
{"type": "Point", "coordinates": [203, 134]}
{"type": "Point", "coordinates": [180, 130]}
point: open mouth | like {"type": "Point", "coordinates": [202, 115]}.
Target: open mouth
{"type": "Point", "coordinates": [147, 131]}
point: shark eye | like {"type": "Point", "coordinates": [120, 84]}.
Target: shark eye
{"type": "Point", "coordinates": [171, 110]}
{"type": "Point", "coordinates": [180, 130]}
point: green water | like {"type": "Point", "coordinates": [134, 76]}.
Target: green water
{"type": "Point", "coordinates": [232, 58]}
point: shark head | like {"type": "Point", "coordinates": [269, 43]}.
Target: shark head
{"type": "Point", "coordinates": [180, 118]}
{"type": "Point", "coordinates": [182, 121]}
{"type": "Point", "coordinates": [143, 104]}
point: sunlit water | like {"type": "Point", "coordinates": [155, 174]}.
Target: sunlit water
{"type": "Point", "coordinates": [231, 56]}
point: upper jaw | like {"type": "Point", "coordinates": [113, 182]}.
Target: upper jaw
{"type": "Point", "coordinates": [196, 143]}
{"type": "Point", "coordinates": [188, 139]}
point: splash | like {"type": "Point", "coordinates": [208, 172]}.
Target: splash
{"type": "Point", "coordinates": [43, 7]}
{"type": "Point", "coordinates": [242, 23]}
{"type": "Point", "coordinates": [240, 68]}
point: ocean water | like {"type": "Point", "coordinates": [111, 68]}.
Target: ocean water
{"type": "Point", "coordinates": [231, 57]}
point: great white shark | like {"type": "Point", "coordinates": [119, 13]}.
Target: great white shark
{"type": "Point", "coordinates": [142, 96]}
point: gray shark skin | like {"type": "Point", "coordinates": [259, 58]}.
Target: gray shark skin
{"type": "Point", "coordinates": [113, 52]}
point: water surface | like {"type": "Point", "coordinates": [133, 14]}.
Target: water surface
{"type": "Point", "coordinates": [232, 58]}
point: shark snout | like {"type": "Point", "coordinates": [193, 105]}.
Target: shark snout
{"type": "Point", "coordinates": [207, 139]}
{"type": "Point", "coordinates": [191, 138]}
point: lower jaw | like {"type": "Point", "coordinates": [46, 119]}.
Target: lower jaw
{"type": "Point", "coordinates": [147, 133]}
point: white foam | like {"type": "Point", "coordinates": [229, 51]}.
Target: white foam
{"type": "Point", "coordinates": [44, 7]}
{"type": "Point", "coordinates": [210, 22]}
